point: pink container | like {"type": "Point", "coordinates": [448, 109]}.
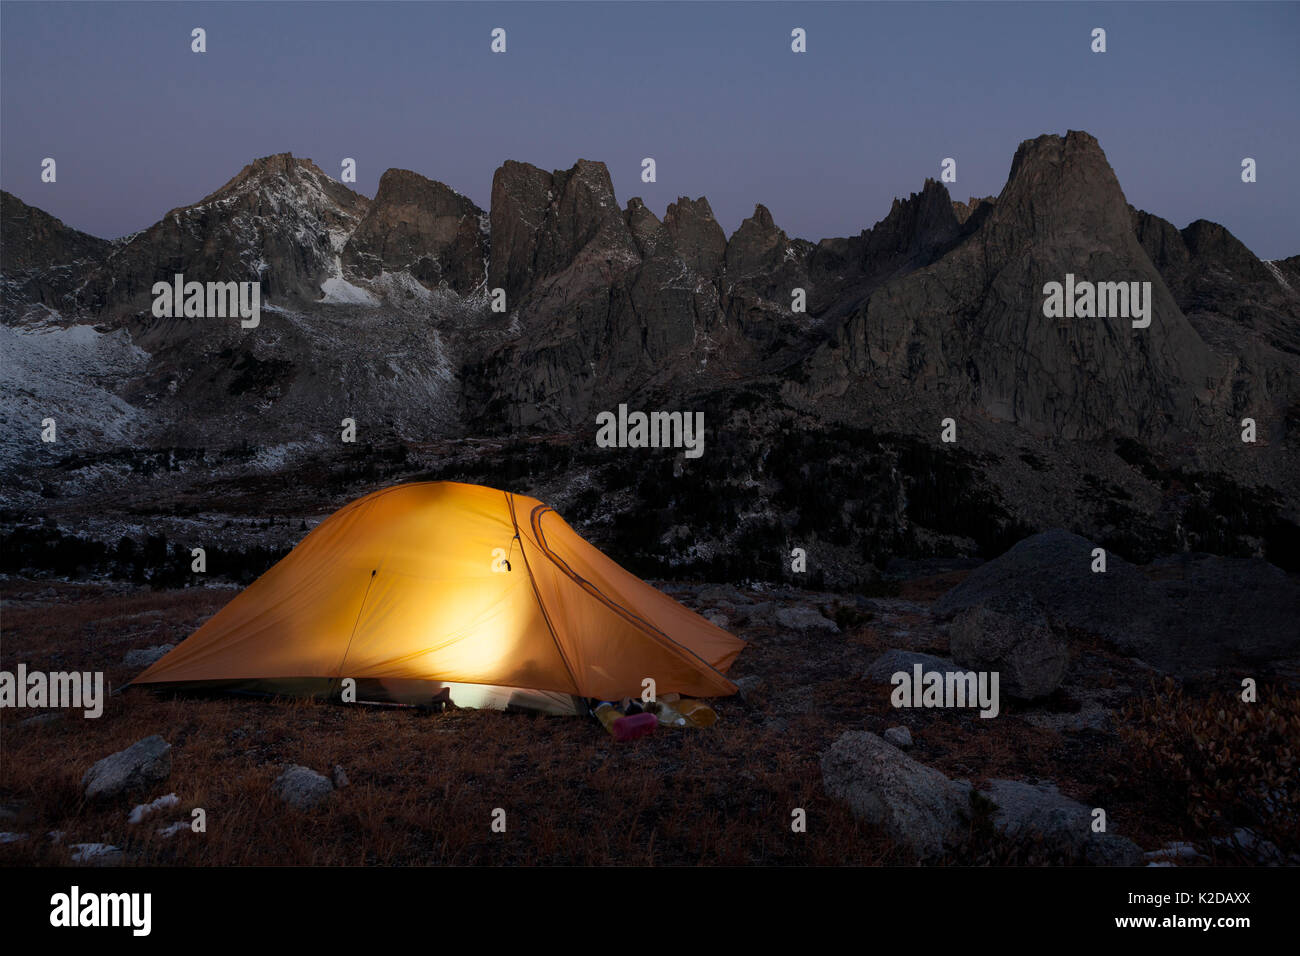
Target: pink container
{"type": "Point", "coordinates": [638, 725]}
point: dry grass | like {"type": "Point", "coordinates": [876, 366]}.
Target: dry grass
{"type": "Point", "coordinates": [424, 786]}
{"type": "Point", "coordinates": [423, 789]}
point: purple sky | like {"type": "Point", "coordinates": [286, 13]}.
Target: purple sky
{"type": "Point", "coordinates": [139, 124]}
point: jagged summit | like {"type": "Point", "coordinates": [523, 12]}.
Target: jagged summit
{"type": "Point", "coordinates": [937, 302]}
{"type": "Point", "coordinates": [968, 330]}
{"type": "Point", "coordinates": [965, 210]}
{"type": "Point", "coordinates": [276, 164]}
{"type": "Point", "coordinates": [1053, 149]}
{"type": "Point", "coordinates": [696, 234]}
{"type": "Point", "coordinates": [423, 227]}
{"type": "Point", "coordinates": [280, 221]}
{"type": "Point", "coordinates": [282, 172]}
{"type": "Point", "coordinates": [380, 310]}
{"type": "Point", "coordinates": [1061, 187]}
{"type": "Point", "coordinates": [757, 246]}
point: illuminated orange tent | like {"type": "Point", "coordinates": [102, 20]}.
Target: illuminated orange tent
{"type": "Point", "coordinates": [438, 584]}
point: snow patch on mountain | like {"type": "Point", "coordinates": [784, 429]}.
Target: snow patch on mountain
{"type": "Point", "coordinates": [339, 291]}
{"type": "Point", "coordinates": [68, 374]}
{"type": "Point", "coordinates": [1271, 266]}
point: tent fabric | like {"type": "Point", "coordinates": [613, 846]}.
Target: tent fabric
{"type": "Point", "coordinates": [406, 584]}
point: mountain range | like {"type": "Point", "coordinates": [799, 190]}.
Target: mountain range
{"type": "Point", "coordinates": [826, 420]}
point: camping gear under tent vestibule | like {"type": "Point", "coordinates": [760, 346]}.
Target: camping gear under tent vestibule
{"type": "Point", "coordinates": [440, 584]}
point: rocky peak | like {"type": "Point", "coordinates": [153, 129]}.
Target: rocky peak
{"type": "Point", "coordinates": [284, 178]}
{"type": "Point", "coordinates": [423, 227]}
{"type": "Point", "coordinates": [1286, 272]}
{"type": "Point", "coordinates": [696, 235]}
{"type": "Point", "coordinates": [585, 211]}
{"type": "Point", "coordinates": [650, 235]}
{"type": "Point", "coordinates": [965, 210]}
{"type": "Point", "coordinates": [1223, 288]}
{"type": "Point", "coordinates": [261, 169]}
{"type": "Point", "coordinates": [942, 329]}
{"type": "Point", "coordinates": [915, 228]}
{"type": "Point", "coordinates": [31, 238]}
{"type": "Point", "coordinates": [1060, 188]}
{"type": "Point", "coordinates": [757, 246]}
{"type": "Point", "coordinates": [1208, 241]}
{"type": "Point", "coordinates": [541, 222]}
{"type": "Point", "coordinates": [280, 221]}
{"type": "Point", "coordinates": [41, 259]}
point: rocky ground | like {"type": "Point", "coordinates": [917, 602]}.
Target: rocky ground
{"type": "Point", "coordinates": [812, 728]}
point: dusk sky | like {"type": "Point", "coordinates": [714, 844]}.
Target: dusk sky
{"type": "Point", "coordinates": [138, 124]}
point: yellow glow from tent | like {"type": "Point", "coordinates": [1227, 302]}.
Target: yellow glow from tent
{"type": "Point", "coordinates": [491, 627]}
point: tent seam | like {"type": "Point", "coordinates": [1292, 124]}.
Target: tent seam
{"type": "Point", "coordinates": [635, 619]}
{"type": "Point", "coordinates": [510, 501]}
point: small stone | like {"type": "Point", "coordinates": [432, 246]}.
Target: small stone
{"type": "Point", "coordinates": [750, 684]}
{"type": "Point", "coordinates": [801, 617]}
{"type": "Point", "coordinates": [302, 788]}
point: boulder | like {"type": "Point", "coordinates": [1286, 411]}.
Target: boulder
{"type": "Point", "coordinates": [1015, 639]}
{"type": "Point", "coordinates": [916, 805]}
{"type": "Point", "coordinates": [722, 593]}
{"type": "Point", "coordinates": [145, 763]}
{"type": "Point", "coordinates": [1024, 810]}
{"type": "Point", "coordinates": [1183, 615]}
{"type": "Point", "coordinates": [750, 684]}
{"type": "Point", "coordinates": [884, 667]}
